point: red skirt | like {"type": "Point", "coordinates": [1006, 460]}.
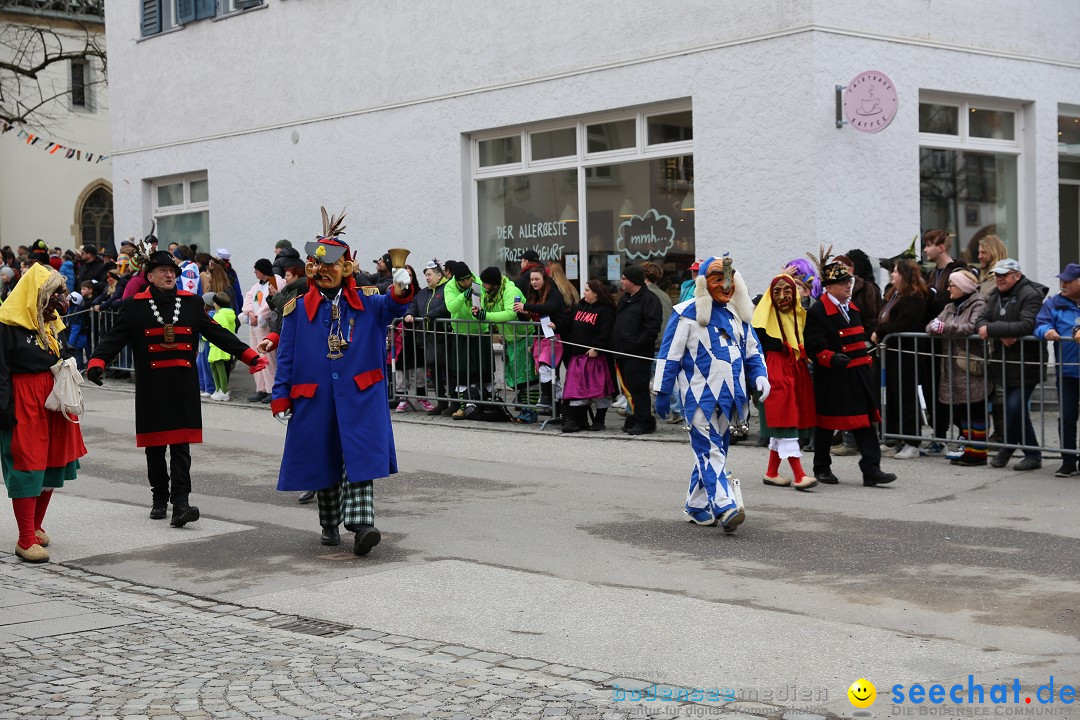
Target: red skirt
{"type": "Point", "coordinates": [41, 438]}
{"type": "Point", "coordinates": [791, 401]}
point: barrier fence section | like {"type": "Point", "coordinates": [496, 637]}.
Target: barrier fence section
{"type": "Point", "coordinates": [100, 322]}
{"type": "Point", "coordinates": [486, 370]}
{"type": "Point", "coordinates": [994, 394]}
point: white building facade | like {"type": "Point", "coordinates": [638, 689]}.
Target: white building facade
{"type": "Point", "coordinates": [55, 173]}
{"type": "Point", "coordinates": [598, 132]}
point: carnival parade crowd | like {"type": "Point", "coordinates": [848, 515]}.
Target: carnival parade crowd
{"type": "Point", "coordinates": [946, 344]}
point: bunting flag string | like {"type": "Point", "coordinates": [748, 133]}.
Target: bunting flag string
{"type": "Point", "coordinates": [52, 148]}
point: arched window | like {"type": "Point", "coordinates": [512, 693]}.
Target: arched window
{"type": "Point", "coordinates": [96, 220]}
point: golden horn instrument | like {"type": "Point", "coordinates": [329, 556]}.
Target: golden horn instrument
{"type": "Point", "coordinates": [397, 257]}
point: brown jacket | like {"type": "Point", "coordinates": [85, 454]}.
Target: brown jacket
{"type": "Point", "coordinates": [958, 386]}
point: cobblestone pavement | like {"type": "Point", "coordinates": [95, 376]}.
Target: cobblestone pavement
{"type": "Point", "coordinates": [74, 644]}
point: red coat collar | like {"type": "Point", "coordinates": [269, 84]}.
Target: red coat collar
{"type": "Point", "coordinates": [313, 298]}
{"type": "Point", "coordinates": [144, 294]}
{"type": "Point", "coordinates": [831, 308]}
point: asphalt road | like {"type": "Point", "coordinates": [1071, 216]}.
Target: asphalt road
{"type": "Point", "coordinates": [571, 549]}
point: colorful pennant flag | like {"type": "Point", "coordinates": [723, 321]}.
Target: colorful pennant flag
{"type": "Point", "coordinates": [52, 147]}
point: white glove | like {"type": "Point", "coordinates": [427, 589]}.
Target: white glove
{"type": "Point", "coordinates": [402, 278]}
{"type": "Point", "coordinates": [936, 326]}
{"type": "Point", "coordinates": [763, 387]}
{"type": "Point", "coordinates": [283, 417]}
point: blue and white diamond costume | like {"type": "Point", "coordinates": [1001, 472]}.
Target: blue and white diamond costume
{"type": "Point", "coordinates": [709, 351]}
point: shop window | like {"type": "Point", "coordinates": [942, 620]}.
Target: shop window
{"type": "Point", "coordinates": [500, 151]}
{"type": "Point", "coordinates": [672, 127]}
{"type": "Point", "coordinates": [618, 135]}
{"type": "Point", "coordinates": [553, 144]}
{"type": "Point", "coordinates": [181, 210]}
{"type": "Point", "coordinates": [968, 172]}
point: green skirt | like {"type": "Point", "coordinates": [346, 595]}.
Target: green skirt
{"type": "Point", "coordinates": [520, 366]}
{"type": "Point", "coordinates": [31, 483]}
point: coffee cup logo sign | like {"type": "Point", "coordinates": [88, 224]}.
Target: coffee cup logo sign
{"type": "Point", "coordinates": [646, 236]}
{"type": "Point", "coordinates": [870, 101]}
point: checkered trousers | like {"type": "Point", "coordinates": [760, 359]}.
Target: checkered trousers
{"type": "Point", "coordinates": [348, 502]}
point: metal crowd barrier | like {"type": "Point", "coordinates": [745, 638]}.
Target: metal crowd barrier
{"type": "Point", "coordinates": [452, 361]}
{"type": "Point", "coordinates": [100, 323]}
{"type": "Point", "coordinates": [984, 385]}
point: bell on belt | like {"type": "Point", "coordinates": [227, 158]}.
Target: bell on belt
{"type": "Point", "coordinates": [397, 257]}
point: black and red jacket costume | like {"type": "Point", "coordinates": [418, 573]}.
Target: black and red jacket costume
{"type": "Point", "coordinates": [846, 398]}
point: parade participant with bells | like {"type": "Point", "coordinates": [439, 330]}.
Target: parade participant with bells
{"type": "Point", "coordinates": [162, 326]}
{"type": "Point", "coordinates": [330, 388]}
{"type": "Point", "coordinates": [707, 346]}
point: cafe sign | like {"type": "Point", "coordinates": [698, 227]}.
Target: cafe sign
{"type": "Point", "coordinates": [870, 101]}
{"type": "Point", "coordinates": [646, 236]}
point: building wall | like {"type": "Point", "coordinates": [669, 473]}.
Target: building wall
{"type": "Point", "coordinates": [381, 128]}
{"type": "Point", "coordinates": [40, 193]}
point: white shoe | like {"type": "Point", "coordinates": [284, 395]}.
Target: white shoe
{"type": "Point", "coordinates": [889, 450]}
{"type": "Point", "coordinates": [907, 452]}
{"type": "Point", "coordinates": [935, 449]}
{"type": "Point", "coordinates": [205, 394]}
{"type": "Point", "coordinates": [225, 397]}
{"type": "Point", "coordinates": [956, 453]}
{"type": "Point", "coordinates": [842, 450]}
{"type": "Point", "coordinates": [217, 396]}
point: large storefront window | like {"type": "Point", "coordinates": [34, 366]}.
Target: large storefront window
{"type": "Point", "coordinates": [968, 182]}
{"type": "Point", "coordinates": [181, 210]}
{"type": "Point", "coordinates": [599, 195]}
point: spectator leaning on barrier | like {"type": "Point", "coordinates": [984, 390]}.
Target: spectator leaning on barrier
{"type": "Point", "coordinates": [590, 372]}
{"type": "Point", "coordinates": [904, 312]}
{"type": "Point", "coordinates": [1059, 319]}
{"type": "Point", "coordinates": [530, 260]}
{"type": "Point", "coordinates": [936, 247]}
{"type": "Point", "coordinates": [963, 382]}
{"type": "Point", "coordinates": [638, 318]}
{"type": "Point", "coordinates": [91, 267]}
{"type": "Point", "coordinates": [544, 301]}
{"type": "Point", "coordinates": [1010, 314]}
{"type": "Point", "coordinates": [427, 306]}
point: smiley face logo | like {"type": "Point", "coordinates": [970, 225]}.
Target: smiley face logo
{"type": "Point", "coordinates": [862, 693]}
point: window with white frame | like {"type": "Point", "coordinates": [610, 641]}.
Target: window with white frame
{"type": "Point", "coordinates": [969, 170]}
{"type": "Point", "coordinates": [160, 15]}
{"type": "Point", "coordinates": [596, 193]}
{"type": "Point", "coordinates": [182, 210]}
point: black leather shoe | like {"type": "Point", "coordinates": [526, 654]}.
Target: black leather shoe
{"type": "Point", "coordinates": [330, 536]}
{"type": "Point", "coordinates": [638, 430]}
{"type": "Point", "coordinates": [367, 537]}
{"type": "Point", "coordinates": [306, 497]}
{"type": "Point", "coordinates": [183, 514]}
{"type": "Point", "coordinates": [159, 511]}
{"type": "Point", "coordinates": [826, 478]}
{"type": "Point", "coordinates": [878, 478]}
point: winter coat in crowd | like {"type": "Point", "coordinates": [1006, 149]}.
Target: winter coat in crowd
{"type": "Point", "coordinates": [428, 306]}
{"type": "Point", "coordinates": [523, 279]}
{"type": "Point", "coordinates": [1063, 315]}
{"type": "Point", "coordinates": [67, 269]}
{"type": "Point", "coordinates": [94, 270]}
{"type": "Point", "coordinates": [867, 297]}
{"type": "Point", "coordinates": [665, 308]}
{"type": "Point", "coordinates": [1012, 315]}
{"type": "Point", "coordinates": [638, 319]}
{"type": "Point", "coordinates": [958, 385]}
{"type": "Point", "coordinates": [286, 255]}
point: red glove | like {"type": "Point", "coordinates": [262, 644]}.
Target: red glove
{"type": "Point", "coordinates": [260, 364]}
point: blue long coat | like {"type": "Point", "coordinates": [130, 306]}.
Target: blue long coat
{"type": "Point", "coordinates": [340, 413]}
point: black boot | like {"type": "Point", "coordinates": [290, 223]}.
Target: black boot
{"type": "Point", "coordinates": [598, 420]}
{"type": "Point", "coordinates": [182, 514]}
{"type": "Point", "coordinates": [159, 510]}
{"type": "Point", "coordinates": [545, 399]}
{"type": "Point", "coordinates": [997, 414]}
{"type": "Point", "coordinates": [330, 536]}
{"type": "Point", "coordinates": [573, 418]}
{"type": "Point", "coordinates": [366, 538]}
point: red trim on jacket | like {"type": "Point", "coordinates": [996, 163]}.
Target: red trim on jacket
{"type": "Point", "coordinates": [855, 330]}
{"type": "Point", "coordinates": [824, 358]}
{"type": "Point", "coordinates": [313, 297]}
{"type": "Point", "coordinates": [145, 294]}
{"type": "Point", "coordinates": [95, 362]}
{"type": "Point", "coordinates": [280, 405]}
{"type": "Point", "coordinates": [847, 422]}
{"type": "Point", "coordinates": [274, 339]}
{"type": "Point", "coordinates": [250, 356]}
{"type": "Point", "coordinates": [160, 331]}
{"type": "Point", "coordinates": [178, 362]}
{"type": "Point", "coordinates": [864, 360]}
{"type": "Point", "coordinates": [401, 300]}
{"type": "Point", "coordinates": [306, 390]}
{"type": "Point", "coordinates": [168, 437]}
{"type": "Point", "coordinates": [851, 347]}
{"type": "Point", "coordinates": [368, 378]}
{"type": "Point", "coordinates": [169, 348]}
{"type": "Point", "coordinates": [830, 307]}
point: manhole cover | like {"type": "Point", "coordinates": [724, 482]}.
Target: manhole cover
{"type": "Point", "coordinates": [311, 626]}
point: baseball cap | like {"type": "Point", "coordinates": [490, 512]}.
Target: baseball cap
{"type": "Point", "coordinates": [223, 253]}
{"type": "Point", "coordinates": [1006, 266]}
{"type": "Point", "coordinates": [1070, 273]}
{"type": "Point", "coordinates": [696, 266]}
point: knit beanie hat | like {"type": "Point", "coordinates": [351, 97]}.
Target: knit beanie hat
{"type": "Point", "coordinates": [461, 271]}
{"type": "Point", "coordinates": [491, 276]}
{"type": "Point", "coordinates": [282, 244]}
{"type": "Point", "coordinates": [263, 265]}
{"type": "Point", "coordinates": [634, 274]}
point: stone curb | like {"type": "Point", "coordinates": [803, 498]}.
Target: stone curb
{"type": "Point", "coordinates": [399, 646]}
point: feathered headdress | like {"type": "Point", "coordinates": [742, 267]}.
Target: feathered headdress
{"type": "Point", "coordinates": [331, 225]}
{"type": "Point", "coordinates": [143, 247]}
{"type": "Point", "coordinates": [830, 271]}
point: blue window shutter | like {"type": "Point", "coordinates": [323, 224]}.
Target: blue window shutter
{"type": "Point", "coordinates": [204, 9]}
{"type": "Point", "coordinates": [151, 17]}
{"type": "Point", "coordinates": [185, 11]}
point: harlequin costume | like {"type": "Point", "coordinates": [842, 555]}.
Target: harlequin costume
{"type": "Point", "coordinates": [708, 348]}
{"type": "Point", "coordinates": [844, 389]}
{"type": "Point", "coordinates": [787, 414]}
{"type": "Point", "coordinates": [39, 448]}
{"type": "Point", "coordinates": [162, 328]}
{"type": "Point", "coordinates": [330, 386]}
